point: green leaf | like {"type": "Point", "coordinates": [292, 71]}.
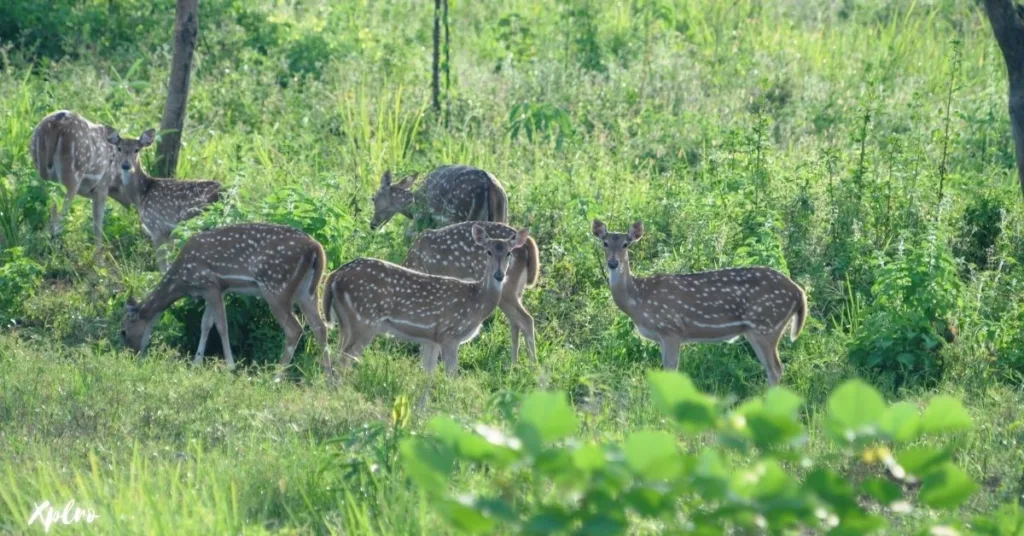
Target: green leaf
{"type": "Point", "coordinates": [675, 395]}
{"type": "Point", "coordinates": [920, 460]}
{"type": "Point", "coordinates": [463, 516]}
{"type": "Point", "coordinates": [945, 414]}
{"type": "Point", "coordinates": [833, 489]}
{"type": "Point", "coordinates": [882, 489]}
{"type": "Point", "coordinates": [901, 422]}
{"type": "Point", "coordinates": [545, 417]}
{"type": "Point", "coordinates": [1007, 521]}
{"type": "Point", "coordinates": [782, 401]}
{"type": "Point", "coordinates": [428, 463]}
{"type": "Point", "coordinates": [546, 522]}
{"type": "Point", "coordinates": [854, 411]}
{"type": "Point", "coordinates": [647, 501]}
{"type": "Point", "coordinates": [589, 458]}
{"type": "Point", "coordinates": [653, 455]}
{"type": "Point", "coordinates": [603, 524]}
{"type": "Point", "coordinates": [946, 487]}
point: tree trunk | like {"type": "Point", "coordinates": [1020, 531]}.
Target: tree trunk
{"type": "Point", "coordinates": [435, 78]}
{"type": "Point", "coordinates": [1008, 27]}
{"type": "Point", "coordinates": [186, 32]}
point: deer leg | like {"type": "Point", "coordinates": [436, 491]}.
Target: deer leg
{"type": "Point", "coordinates": [307, 304]}
{"type": "Point", "coordinates": [670, 352]}
{"type": "Point", "coordinates": [450, 355]}
{"type": "Point", "coordinates": [215, 301]}
{"type": "Point", "coordinates": [768, 354]}
{"type": "Point", "coordinates": [99, 204]}
{"type": "Point", "coordinates": [282, 310]}
{"type": "Point", "coordinates": [429, 353]}
{"type": "Point", "coordinates": [519, 319]}
{"type": "Point", "coordinates": [355, 343]}
{"type": "Point", "coordinates": [160, 252]}
{"type": "Point", "coordinates": [204, 334]}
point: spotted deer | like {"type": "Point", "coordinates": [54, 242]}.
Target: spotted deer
{"type": "Point", "coordinates": [162, 203]}
{"type": "Point", "coordinates": [450, 194]}
{"type": "Point", "coordinates": [367, 297]}
{"type": "Point", "coordinates": [279, 263]}
{"type": "Point", "coordinates": [670, 309]}
{"type": "Point", "coordinates": [452, 251]}
{"type": "Point", "coordinates": [67, 148]}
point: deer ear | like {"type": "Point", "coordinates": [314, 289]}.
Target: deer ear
{"type": "Point", "coordinates": [407, 182]}
{"type": "Point", "coordinates": [599, 229]}
{"type": "Point", "coordinates": [479, 235]}
{"type": "Point", "coordinates": [520, 238]}
{"type": "Point", "coordinates": [112, 136]}
{"type": "Point", "coordinates": [636, 231]}
{"type": "Point", "coordinates": [385, 179]}
{"type": "Point", "coordinates": [148, 137]}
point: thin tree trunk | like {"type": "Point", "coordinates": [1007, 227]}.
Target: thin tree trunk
{"type": "Point", "coordinates": [435, 80]}
{"type": "Point", "coordinates": [186, 32]}
{"type": "Point", "coordinates": [1008, 27]}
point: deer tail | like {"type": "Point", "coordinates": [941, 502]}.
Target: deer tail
{"type": "Point", "coordinates": [497, 202]}
{"type": "Point", "coordinates": [800, 317]}
{"type": "Point", "coordinates": [43, 146]}
{"type": "Point", "coordinates": [328, 305]}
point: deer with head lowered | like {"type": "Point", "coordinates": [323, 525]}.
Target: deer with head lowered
{"type": "Point", "coordinates": [452, 251]}
{"type": "Point", "coordinates": [370, 296]}
{"type": "Point", "coordinates": [450, 194]}
{"type": "Point", "coordinates": [670, 309]}
{"type": "Point", "coordinates": [67, 148]}
{"type": "Point", "coordinates": [162, 203]}
{"type": "Point", "coordinates": [279, 263]}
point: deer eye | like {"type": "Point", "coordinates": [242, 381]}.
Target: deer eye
{"type": "Point", "coordinates": [118, 149]}
{"type": "Point", "coordinates": [488, 253]}
{"type": "Point", "coordinates": [136, 151]}
{"type": "Point", "coordinates": [606, 244]}
{"type": "Point", "coordinates": [625, 245]}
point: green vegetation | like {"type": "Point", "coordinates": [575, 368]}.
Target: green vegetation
{"type": "Point", "coordinates": [862, 147]}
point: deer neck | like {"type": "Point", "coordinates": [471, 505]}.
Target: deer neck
{"type": "Point", "coordinates": [163, 296]}
{"type": "Point", "coordinates": [488, 290]}
{"type": "Point", "coordinates": [135, 184]}
{"type": "Point", "coordinates": [623, 287]}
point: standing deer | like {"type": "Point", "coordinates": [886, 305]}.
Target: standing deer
{"type": "Point", "coordinates": [450, 194]}
{"type": "Point", "coordinates": [369, 296]}
{"type": "Point", "coordinates": [162, 203]}
{"type": "Point", "coordinates": [279, 263]}
{"type": "Point", "coordinates": [670, 309]}
{"type": "Point", "coordinates": [453, 251]}
{"type": "Point", "coordinates": [67, 148]}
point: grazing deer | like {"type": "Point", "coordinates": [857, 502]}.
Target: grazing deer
{"type": "Point", "coordinates": [450, 194]}
{"type": "Point", "coordinates": [370, 296]}
{"type": "Point", "coordinates": [670, 309]}
{"type": "Point", "coordinates": [162, 203]}
{"type": "Point", "coordinates": [452, 251]}
{"type": "Point", "coordinates": [279, 263]}
{"type": "Point", "coordinates": [67, 148]}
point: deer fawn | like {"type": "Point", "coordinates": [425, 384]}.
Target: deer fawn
{"type": "Point", "coordinates": [370, 296]}
{"type": "Point", "coordinates": [162, 203]}
{"type": "Point", "coordinates": [67, 148]}
{"type": "Point", "coordinates": [450, 194]}
{"type": "Point", "coordinates": [670, 309]}
{"type": "Point", "coordinates": [453, 251]}
{"type": "Point", "coordinates": [279, 263]}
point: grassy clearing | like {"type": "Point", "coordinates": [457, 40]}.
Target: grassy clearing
{"type": "Point", "coordinates": [813, 139]}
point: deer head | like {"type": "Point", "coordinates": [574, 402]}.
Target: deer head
{"type": "Point", "coordinates": [391, 199]}
{"type": "Point", "coordinates": [499, 252]}
{"type": "Point", "coordinates": [135, 330]}
{"type": "Point", "coordinates": [128, 150]}
{"type": "Point", "coordinates": [617, 244]}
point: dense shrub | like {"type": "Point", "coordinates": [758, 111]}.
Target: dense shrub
{"type": "Point", "coordinates": [544, 480]}
{"type": "Point", "coordinates": [914, 295]}
{"type": "Point", "coordinates": [20, 277]}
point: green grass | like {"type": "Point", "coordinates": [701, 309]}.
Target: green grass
{"type": "Point", "coordinates": [784, 133]}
